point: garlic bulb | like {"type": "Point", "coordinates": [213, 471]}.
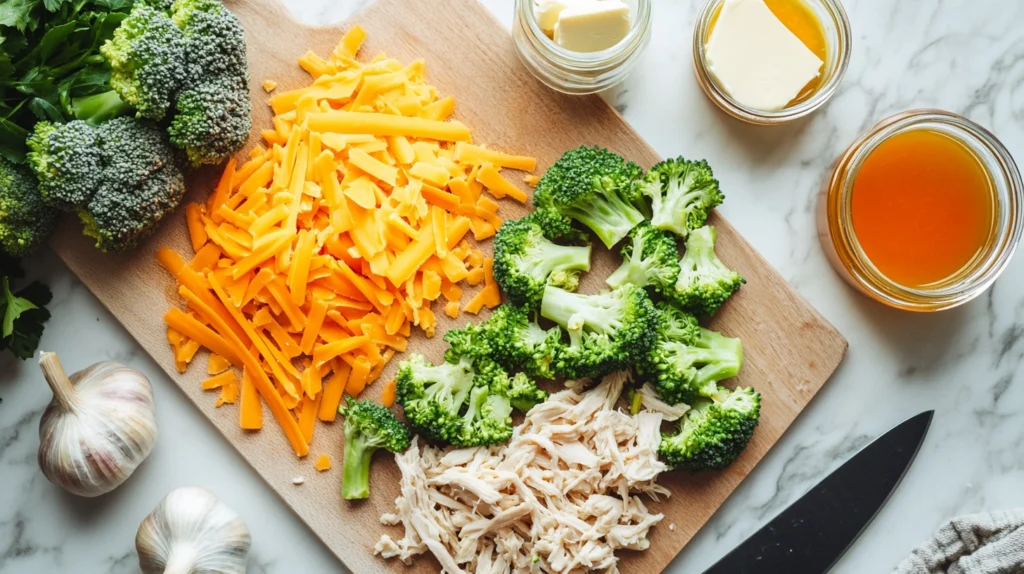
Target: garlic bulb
{"type": "Point", "coordinates": [98, 428]}
{"type": "Point", "coordinates": [192, 532]}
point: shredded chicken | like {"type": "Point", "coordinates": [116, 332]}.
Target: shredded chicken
{"type": "Point", "coordinates": [562, 496]}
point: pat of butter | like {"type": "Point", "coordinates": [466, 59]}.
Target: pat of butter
{"type": "Point", "coordinates": [592, 26]}
{"type": "Point", "coordinates": [756, 59]}
{"type": "Point", "coordinates": [547, 11]}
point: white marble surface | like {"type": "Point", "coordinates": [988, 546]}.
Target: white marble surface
{"type": "Point", "coordinates": [962, 55]}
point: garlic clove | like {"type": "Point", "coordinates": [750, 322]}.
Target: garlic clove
{"type": "Point", "coordinates": [191, 531]}
{"type": "Point", "coordinates": [100, 425]}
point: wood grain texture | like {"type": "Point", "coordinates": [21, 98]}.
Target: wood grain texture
{"type": "Point", "coordinates": [790, 350]}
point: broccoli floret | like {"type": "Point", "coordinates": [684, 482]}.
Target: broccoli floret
{"type": "Point", "coordinates": [68, 162]}
{"type": "Point", "coordinates": [682, 193]}
{"type": "Point", "coordinates": [215, 40]}
{"type": "Point", "coordinates": [595, 187]}
{"type": "Point", "coordinates": [649, 258]}
{"type": "Point", "coordinates": [368, 427]}
{"type": "Point", "coordinates": [523, 393]}
{"type": "Point", "coordinates": [688, 360]}
{"type": "Point", "coordinates": [212, 120]}
{"type": "Point", "coordinates": [458, 404]}
{"type": "Point", "coordinates": [713, 432]}
{"type": "Point", "coordinates": [518, 341]}
{"type": "Point", "coordinates": [472, 341]}
{"type": "Point", "coordinates": [610, 331]}
{"type": "Point", "coordinates": [526, 259]}
{"type": "Point", "coordinates": [26, 222]}
{"type": "Point", "coordinates": [148, 60]}
{"type": "Point", "coordinates": [142, 182]}
{"type": "Point", "coordinates": [704, 282]}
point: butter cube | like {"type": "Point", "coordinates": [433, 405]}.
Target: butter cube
{"type": "Point", "coordinates": [592, 26]}
{"type": "Point", "coordinates": [547, 11]}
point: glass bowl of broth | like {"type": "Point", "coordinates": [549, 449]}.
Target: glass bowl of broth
{"type": "Point", "coordinates": [923, 212]}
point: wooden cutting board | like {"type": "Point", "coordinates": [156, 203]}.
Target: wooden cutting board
{"type": "Point", "coordinates": [790, 350]}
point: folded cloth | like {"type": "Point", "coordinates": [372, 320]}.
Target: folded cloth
{"type": "Point", "coordinates": [988, 543]}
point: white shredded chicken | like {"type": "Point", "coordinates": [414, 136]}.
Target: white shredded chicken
{"type": "Point", "coordinates": [560, 497]}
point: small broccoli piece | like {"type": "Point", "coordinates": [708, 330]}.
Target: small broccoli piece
{"type": "Point", "coordinates": [67, 161]}
{"type": "Point", "coordinates": [595, 187]}
{"type": "Point", "coordinates": [526, 259]}
{"type": "Point", "coordinates": [456, 404]}
{"type": "Point", "coordinates": [148, 60]}
{"type": "Point", "coordinates": [472, 341]}
{"type": "Point", "coordinates": [523, 393]}
{"type": "Point", "coordinates": [368, 427]}
{"type": "Point", "coordinates": [215, 40]}
{"type": "Point", "coordinates": [688, 360]}
{"type": "Point", "coordinates": [142, 182]}
{"type": "Point", "coordinates": [649, 258]}
{"type": "Point", "coordinates": [682, 193]}
{"type": "Point", "coordinates": [610, 331]}
{"type": "Point", "coordinates": [26, 222]}
{"type": "Point", "coordinates": [518, 341]}
{"type": "Point", "coordinates": [713, 432]}
{"type": "Point", "coordinates": [212, 120]}
{"type": "Point", "coordinates": [704, 282]}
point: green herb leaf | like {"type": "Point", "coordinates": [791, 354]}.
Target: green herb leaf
{"type": "Point", "coordinates": [18, 14]}
{"type": "Point", "coordinates": [23, 312]}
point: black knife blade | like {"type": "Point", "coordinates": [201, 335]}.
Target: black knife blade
{"type": "Point", "coordinates": [814, 532]}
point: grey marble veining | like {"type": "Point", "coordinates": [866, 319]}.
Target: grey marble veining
{"type": "Point", "coordinates": [966, 56]}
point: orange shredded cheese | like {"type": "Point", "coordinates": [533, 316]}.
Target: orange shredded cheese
{"type": "Point", "coordinates": [316, 256]}
{"type": "Point", "coordinates": [323, 463]}
{"type": "Point", "coordinates": [388, 394]}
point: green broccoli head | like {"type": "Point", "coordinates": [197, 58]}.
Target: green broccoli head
{"type": "Point", "coordinates": [704, 282]}
{"type": "Point", "coordinates": [595, 187]}
{"type": "Point", "coordinates": [523, 393]}
{"type": "Point", "coordinates": [682, 193]}
{"type": "Point", "coordinates": [142, 182]}
{"type": "Point", "coordinates": [368, 427]}
{"type": "Point", "coordinates": [472, 341]}
{"type": "Point", "coordinates": [148, 60]}
{"type": "Point", "coordinates": [610, 331]}
{"type": "Point", "coordinates": [215, 40]}
{"type": "Point", "coordinates": [455, 403]}
{"type": "Point", "coordinates": [67, 161]}
{"type": "Point", "coordinates": [713, 432]}
{"type": "Point", "coordinates": [212, 119]}
{"type": "Point", "coordinates": [649, 258]}
{"type": "Point", "coordinates": [526, 259]}
{"type": "Point", "coordinates": [26, 222]}
{"type": "Point", "coordinates": [687, 360]}
{"type": "Point", "coordinates": [517, 340]}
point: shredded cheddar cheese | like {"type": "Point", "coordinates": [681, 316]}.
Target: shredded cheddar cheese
{"type": "Point", "coordinates": [315, 257]}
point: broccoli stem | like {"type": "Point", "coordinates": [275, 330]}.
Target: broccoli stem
{"type": "Point", "coordinates": [555, 257]}
{"type": "Point", "coordinates": [575, 312]}
{"type": "Point", "coordinates": [355, 481]}
{"type": "Point", "coordinates": [608, 216]}
{"type": "Point", "coordinates": [98, 108]}
{"type": "Point", "coordinates": [675, 203]}
{"type": "Point", "coordinates": [630, 271]}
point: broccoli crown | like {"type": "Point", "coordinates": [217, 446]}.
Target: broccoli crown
{"type": "Point", "coordinates": [368, 427]}
{"type": "Point", "coordinates": [682, 193]}
{"type": "Point", "coordinates": [517, 340]}
{"type": "Point", "coordinates": [142, 182]}
{"type": "Point", "coordinates": [704, 282]}
{"type": "Point", "coordinates": [595, 187]}
{"type": "Point", "coordinates": [457, 403]}
{"type": "Point", "coordinates": [526, 259]}
{"type": "Point", "coordinates": [713, 432]}
{"type": "Point", "coordinates": [523, 393]}
{"type": "Point", "coordinates": [472, 341]}
{"type": "Point", "coordinates": [26, 222]}
{"type": "Point", "coordinates": [212, 119]}
{"type": "Point", "coordinates": [649, 258]}
{"type": "Point", "coordinates": [147, 57]}
{"type": "Point", "coordinates": [214, 39]}
{"type": "Point", "coordinates": [687, 360]}
{"type": "Point", "coordinates": [610, 331]}
{"type": "Point", "coordinates": [67, 161]}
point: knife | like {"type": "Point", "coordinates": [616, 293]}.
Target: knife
{"type": "Point", "coordinates": [812, 534]}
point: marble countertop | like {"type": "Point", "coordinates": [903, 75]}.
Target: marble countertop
{"type": "Point", "coordinates": [966, 56]}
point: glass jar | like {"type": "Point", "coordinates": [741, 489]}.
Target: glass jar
{"type": "Point", "coordinates": [579, 72]}
{"type": "Point", "coordinates": [834, 23]}
{"type": "Point", "coordinates": [835, 222]}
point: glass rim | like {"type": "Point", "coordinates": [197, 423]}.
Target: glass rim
{"type": "Point", "coordinates": [589, 60]}
{"type": "Point", "coordinates": [842, 36]}
{"type": "Point", "coordinates": [1008, 191]}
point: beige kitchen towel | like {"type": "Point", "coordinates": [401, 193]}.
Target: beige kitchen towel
{"type": "Point", "coordinates": [988, 543]}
